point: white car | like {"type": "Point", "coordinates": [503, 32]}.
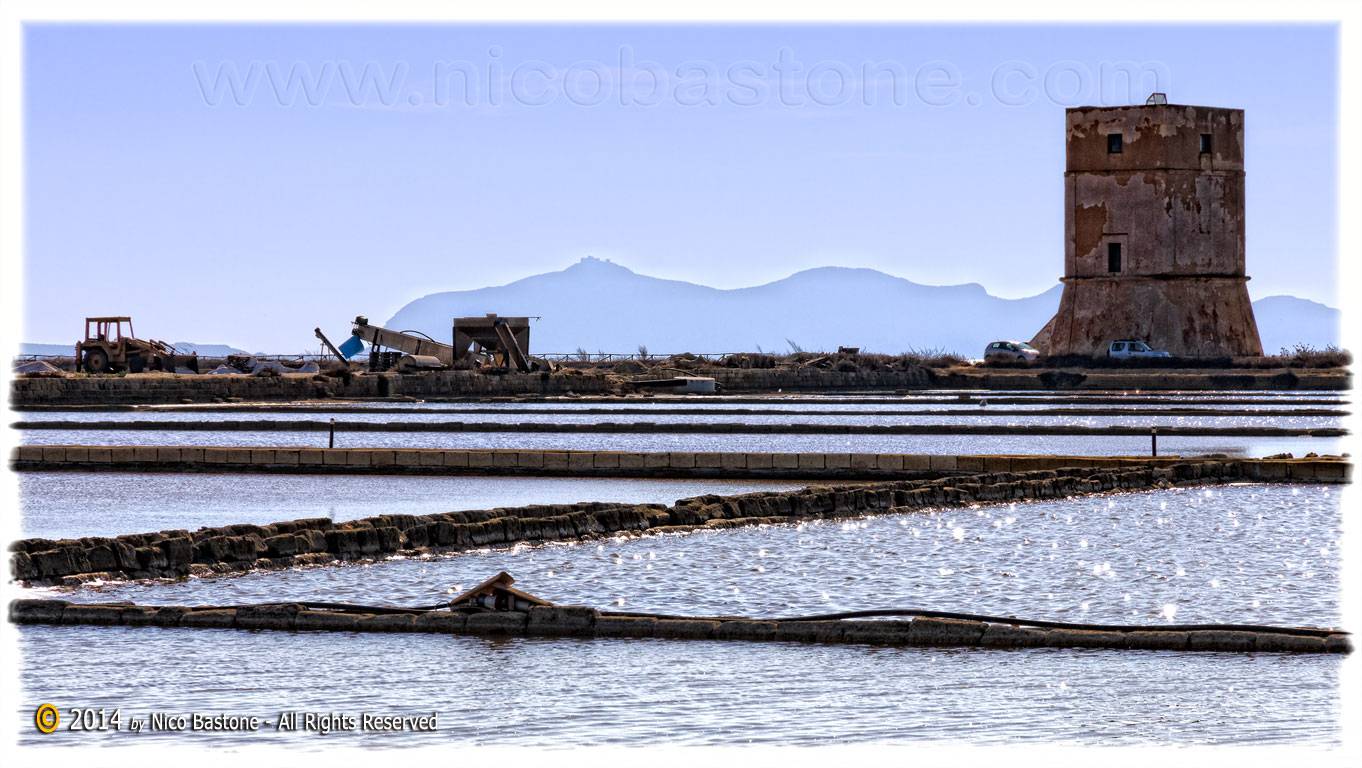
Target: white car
{"type": "Point", "coordinates": [1011, 351]}
{"type": "Point", "coordinates": [1127, 349]}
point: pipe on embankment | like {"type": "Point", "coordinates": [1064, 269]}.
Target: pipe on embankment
{"type": "Point", "coordinates": [243, 547]}
{"type": "Point", "coordinates": [670, 428]}
{"type": "Point", "coordinates": [586, 622]}
{"type": "Point", "coordinates": [554, 463]}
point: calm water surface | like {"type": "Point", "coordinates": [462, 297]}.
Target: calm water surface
{"type": "Point", "coordinates": [1137, 418]}
{"type": "Point", "coordinates": [1248, 553]}
{"type": "Point", "coordinates": [928, 444]}
{"type": "Point", "coordinates": [60, 504]}
{"type": "Point", "coordinates": [650, 692]}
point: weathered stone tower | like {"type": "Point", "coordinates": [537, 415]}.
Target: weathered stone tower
{"type": "Point", "coordinates": [1154, 233]}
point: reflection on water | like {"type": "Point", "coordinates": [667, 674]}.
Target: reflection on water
{"type": "Point", "coordinates": [1250, 553]}
{"type": "Point", "coordinates": [1238, 553]}
{"type": "Point", "coordinates": [74, 504]}
{"type": "Point", "coordinates": [920, 444]}
{"type": "Point", "coordinates": [1246, 553]}
{"type": "Point", "coordinates": [648, 692]}
{"type": "Point", "coordinates": [977, 416]}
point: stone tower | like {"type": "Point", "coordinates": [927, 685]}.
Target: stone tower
{"type": "Point", "coordinates": [1154, 233]}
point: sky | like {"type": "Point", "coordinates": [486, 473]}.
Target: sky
{"type": "Point", "coordinates": [243, 184]}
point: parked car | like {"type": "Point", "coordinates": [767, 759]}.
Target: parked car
{"type": "Point", "coordinates": [1127, 349]}
{"type": "Point", "coordinates": [1010, 351]}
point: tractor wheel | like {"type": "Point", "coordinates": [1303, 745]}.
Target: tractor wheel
{"type": "Point", "coordinates": [96, 361]}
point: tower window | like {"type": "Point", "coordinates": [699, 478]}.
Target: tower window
{"type": "Point", "coordinates": [1205, 143]}
{"type": "Point", "coordinates": [1113, 257]}
{"type": "Point", "coordinates": [1113, 143]}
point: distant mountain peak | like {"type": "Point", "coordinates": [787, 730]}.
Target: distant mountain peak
{"type": "Point", "coordinates": [1284, 298]}
{"type": "Point", "coordinates": [592, 265]}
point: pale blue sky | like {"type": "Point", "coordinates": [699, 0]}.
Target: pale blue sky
{"type": "Point", "coordinates": [248, 219]}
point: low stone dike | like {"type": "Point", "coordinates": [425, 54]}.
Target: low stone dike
{"type": "Point", "coordinates": [168, 388]}
{"type": "Point", "coordinates": [671, 428]}
{"type": "Point", "coordinates": [675, 464]}
{"type": "Point", "coordinates": [236, 548]}
{"type": "Point", "coordinates": [165, 388]}
{"type": "Point", "coordinates": [568, 621]}
{"type": "Point", "coordinates": [771, 379]}
{"type": "Point", "coordinates": [1146, 379]}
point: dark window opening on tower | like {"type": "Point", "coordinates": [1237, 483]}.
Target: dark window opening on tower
{"type": "Point", "coordinates": [1113, 143]}
{"type": "Point", "coordinates": [1205, 143]}
{"type": "Point", "coordinates": [1113, 257]}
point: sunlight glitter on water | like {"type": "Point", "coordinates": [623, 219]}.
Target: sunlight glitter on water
{"type": "Point", "coordinates": [1267, 572]}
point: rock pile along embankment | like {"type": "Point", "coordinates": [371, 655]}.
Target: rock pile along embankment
{"type": "Point", "coordinates": [232, 548]}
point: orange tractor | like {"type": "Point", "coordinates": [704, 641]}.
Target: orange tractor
{"type": "Point", "coordinates": [110, 346]}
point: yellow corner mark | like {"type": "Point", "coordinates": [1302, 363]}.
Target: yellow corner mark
{"type": "Point", "coordinates": [46, 718]}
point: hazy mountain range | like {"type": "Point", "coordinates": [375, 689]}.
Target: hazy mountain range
{"type": "Point", "coordinates": [1285, 321]}
{"type": "Point", "coordinates": [599, 306]}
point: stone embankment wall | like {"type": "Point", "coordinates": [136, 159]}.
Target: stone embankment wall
{"type": "Point", "coordinates": [1148, 379]}
{"type": "Point", "coordinates": [771, 379]}
{"type": "Point", "coordinates": [583, 621]}
{"type": "Point", "coordinates": [178, 553]}
{"type": "Point", "coordinates": [164, 388]}
{"type": "Point", "coordinates": [676, 464]}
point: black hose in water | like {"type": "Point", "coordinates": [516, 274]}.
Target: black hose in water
{"type": "Point", "coordinates": [865, 614]}
{"type": "Point", "coordinates": [1038, 623]}
{"type": "Point", "coordinates": [347, 607]}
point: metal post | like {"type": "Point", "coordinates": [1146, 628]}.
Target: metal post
{"type": "Point", "coordinates": [1153, 441]}
{"type": "Point", "coordinates": [332, 442]}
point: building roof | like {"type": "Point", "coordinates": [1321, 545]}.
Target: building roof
{"type": "Point", "coordinates": [501, 582]}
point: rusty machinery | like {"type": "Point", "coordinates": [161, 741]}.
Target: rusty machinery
{"type": "Point", "coordinates": [110, 346]}
{"type": "Point", "coordinates": [488, 340]}
{"type": "Point", "coordinates": [505, 341]}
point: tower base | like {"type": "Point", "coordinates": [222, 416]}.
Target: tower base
{"type": "Point", "coordinates": [1188, 316]}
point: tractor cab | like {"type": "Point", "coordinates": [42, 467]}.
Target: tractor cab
{"type": "Point", "coordinates": [110, 329]}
